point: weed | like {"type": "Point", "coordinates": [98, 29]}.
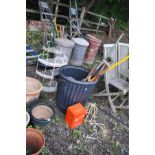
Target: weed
{"type": "Point", "coordinates": [115, 145]}
{"type": "Point", "coordinates": [30, 126]}
{"type": "Point", "coordinates": [40, 128]}
{"type": "Point", "coordinates": [85, 147]}
{"type": "Point", "coordinates": [45, 151]}
{"type": "Point", "coordinates": [91, 129]}
{"type": "Point", "coordinates": [43, 95]}
{"type": "Point", "coordinates": [57, 119]}
{"type": "Point", "coordinates": [76, 134]}
{"type": "Point", "coordinates": [53, 122]}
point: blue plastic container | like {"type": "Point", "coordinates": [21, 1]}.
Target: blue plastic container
{"type": "Point", "coordinates": [71, 89]}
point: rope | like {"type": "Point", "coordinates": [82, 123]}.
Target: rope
{"type": "Point", "coordinates": [110, 115]}
{"type": "Point", "coordinates": [91, 112]}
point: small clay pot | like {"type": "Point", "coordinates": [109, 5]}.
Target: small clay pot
{"type": "Point", "coordinates": [33, 89]}
{"type": "Point", "coordinates": [35, 141]}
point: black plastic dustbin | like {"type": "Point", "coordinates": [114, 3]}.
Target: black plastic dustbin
{"type": "Point", "coordinates": [71, 89]}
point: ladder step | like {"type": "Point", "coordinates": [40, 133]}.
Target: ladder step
{"type": "Point", "coordinates": [44, 5]}
{"type": "Point", "coordinates": [73, 11]}
{"type": "Point", "coordinates": [46, 20]}
{"type": "Point", "coordinates": [48, 73]}
{"type": "Point", "coordinates": [49, 34]}
{"type": "Point", "coordinates": [29, 51]}
{"type": "Point", "coordinates": [32, 57]}
{"type": "Point", "coordinates": [55, 62]}
{"type": "Point", "coordinates": [45, 13]}
{"type": "Point", "coordinates": [52, 50]}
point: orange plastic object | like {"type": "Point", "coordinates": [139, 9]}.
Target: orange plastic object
{"type": "Point", "coordinates": [75, 115]}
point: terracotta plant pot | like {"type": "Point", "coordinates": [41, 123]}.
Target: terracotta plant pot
{"type": "Point", "coordinates": [33, 89]}
{"type": "Point", "coordinates": [27, 118]}
{"type": "Point", "coordinates": [92, 50]}
{"type": "Point", "coordinates": [35, 141]}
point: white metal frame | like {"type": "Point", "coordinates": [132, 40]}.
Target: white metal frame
{"type": "Point", "coordinates": [59, 60]}
{"type": "Point", "coordinates": [123, 68]}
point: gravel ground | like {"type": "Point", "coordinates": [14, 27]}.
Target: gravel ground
{"type": "Point", "coordinates": [62, 140]}
{"type": "Point", "coordinates": [110, 138]}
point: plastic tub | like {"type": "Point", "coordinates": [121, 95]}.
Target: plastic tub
{"type": "Point", "coordinates": [92, 50]}
{"type": "Point", "coordinates": [33, 89]}
{"type": "Point", "coordinates": [66, 46]}
{"type": "Point", "coordinates": [78, 51]}
{"type": "Point", "coordinates": [71, 89]}
{"type": "Point", "coordinates": [35, 141]}
{"type": "Point", "coordinates": [41, 114]}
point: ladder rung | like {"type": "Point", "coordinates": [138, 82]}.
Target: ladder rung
{"type": "Point", "coordinates": [49, 14]}
{"type": "Point", "coordinates": [32, 57]}
{"type": "Point", "coordinates": [74, 20]}
{"type": "Point", "coordinates": [46, 20]}
{"type": "Point", "coordinates": [29, 51]}
{"type": "Point", "coordinates": [49, 34]}
{"type": "Point", "coordinates": [45, 10]}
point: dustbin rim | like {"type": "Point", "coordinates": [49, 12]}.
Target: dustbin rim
{"type": "Point", "coordinates": [73, 80]}
{"type": "Point", "coordinates": [82, 43]}
{"type": "Point", "coordinates": [64, 42]}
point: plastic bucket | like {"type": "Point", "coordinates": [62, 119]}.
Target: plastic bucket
{"type": "Point", "coordinates": [91, 52]}
{"type": "Point", "coordinates": [66, 45]}
{"type": "Point", "coordinates": [71, 89]}
{"type": "Point", "coordinates": [35, 141]}
{"type": "Point", "coordinates": [79, 50]}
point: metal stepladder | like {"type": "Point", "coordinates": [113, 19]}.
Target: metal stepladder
{"type": "Point", "coordinates": [47, 17]}
{"type": "Point", "coordinates": [74, 21]}
{"type": "Point", "coordinates": [52, 56]}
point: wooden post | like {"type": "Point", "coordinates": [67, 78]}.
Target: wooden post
{"type": "Point", "coordinates": [82, 15]}
{"type": "Point", "coordinates": [98, 24]}
{"type": "Point", "coordinates": [112, 26]}
{"type": "Point", "coordinates": [51, 4]}
{"type": "Point", "coordinates": [57, 3]}
{"type": "Point", "coordinates": [56, 9]}
{"type": "Point", "coordinates": [55, 18]}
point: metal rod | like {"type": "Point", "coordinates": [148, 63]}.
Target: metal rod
{"type": "Point", "coordinates": [115, 44]}
{"type": "Point", "coordinates": [106, 94]}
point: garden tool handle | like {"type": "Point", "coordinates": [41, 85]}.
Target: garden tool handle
{"type": "Point", "coordinates": [100, 67]}
{"type": "Point", "coordinates": [90, 73]}
{"type": "Point", "coordinates": [118, 63]}
{"type": "Point", "coordinates": [98, 75]}
{"type": "Point", "coordinates": [97, 71]}
{"type": "Point", "coordinates": [105, 66]}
